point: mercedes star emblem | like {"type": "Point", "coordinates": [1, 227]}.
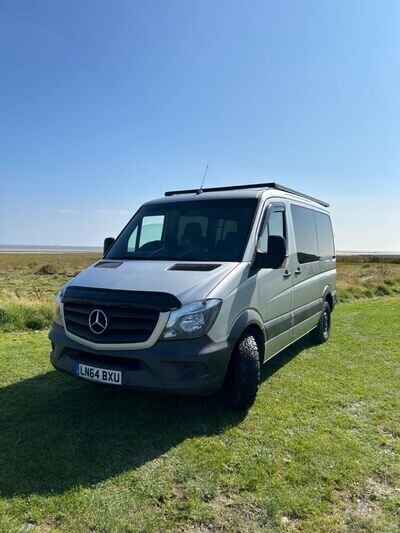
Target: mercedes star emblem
{"type": "Point", "coordinates": [98, 321]}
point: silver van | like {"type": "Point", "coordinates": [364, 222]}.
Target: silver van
{"type": "Point", "coordinates": [200, 289]}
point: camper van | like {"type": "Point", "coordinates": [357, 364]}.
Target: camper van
{"type": "Point", "coordinates": [199, 290]}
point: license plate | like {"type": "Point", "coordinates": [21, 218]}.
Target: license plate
{"type": "Point", "coordinates": [99, 374]}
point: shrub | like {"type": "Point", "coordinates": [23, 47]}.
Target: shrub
{"type": "Point", "coordinates": [382, 290]}
{"type": "Point", "coordinates": [18, 316]}
{"type": "Point", "coordinates": [3, 317]}
{"type": "Point", "coordinates": [47, 270]}
{"type": "Point", "coordinates": [389, 282]}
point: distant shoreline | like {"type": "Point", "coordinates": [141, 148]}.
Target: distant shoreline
{"type": "Point", "coordinates": [366, 253]}
{"type": "Point", "coordinates": [32, 249]}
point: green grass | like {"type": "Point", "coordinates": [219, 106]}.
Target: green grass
{"type": "Point", "coordinates": [367, 277]}
{"type": "Point", "coordinates": [319, 450]}
{"type": "Point", "coordinates": [29, 282]}
{"type": "Point", "coordinates": [39, 276]}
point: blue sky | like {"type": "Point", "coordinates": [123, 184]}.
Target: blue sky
{"type": "Point", "coordinates": [104, 105]}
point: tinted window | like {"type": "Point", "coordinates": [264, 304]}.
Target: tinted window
{"type": "Point", "coordinates": [305, 233]}
{"type": "Point", "coordinates": [200, 221]}
{"type": "Point", "coordinates": [204, 230]}
{"type": "Point", "coordinates": [225, 226]}
{"type": "Point", "coordinates": [325, 236]}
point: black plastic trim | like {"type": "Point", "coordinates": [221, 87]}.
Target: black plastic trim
{"type": "Point", "coordinates": [108, 264]}
{"type": "Point", "coordinates": [271, 185]}
{"type": "Point", "coordinates": [164, 367]}
{"type": "Point", "coordinates": [279, 325]}
{"type": "Point", "coordinates": [194, 267]}
{"type": "Point", "coordinates": [160, 301]}
{"type": "Point", "coordinates": [307, 311]}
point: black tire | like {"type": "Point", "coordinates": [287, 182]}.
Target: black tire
{"type": "Point", "coordinates": [322, 332]}
{"type": "Point", "coordinates": [243, 376]}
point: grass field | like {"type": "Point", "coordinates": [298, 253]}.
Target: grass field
{"type": "Point", "coordinates": [319, 450]}
{"type": "Point", "coordinates": [29, 282]}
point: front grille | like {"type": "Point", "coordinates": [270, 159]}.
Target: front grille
{"type": "Point", "coordinates": [127, 323]}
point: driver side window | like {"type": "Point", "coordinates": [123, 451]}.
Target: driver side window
{"type": "Point", "coordinates": [275, 225]}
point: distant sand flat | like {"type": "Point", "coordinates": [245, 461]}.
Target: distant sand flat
{"type": "Point", "coordinates": [21, 248]}
{"type": "Point", "coordinates": [11, 248]}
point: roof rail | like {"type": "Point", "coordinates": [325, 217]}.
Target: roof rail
{"type": "Point", "coordinates": [248, 186]}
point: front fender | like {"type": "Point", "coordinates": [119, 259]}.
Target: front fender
{"type": "Point", "coordinates": [244, 320]}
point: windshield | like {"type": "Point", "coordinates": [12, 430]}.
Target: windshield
{"type": "Point", "coordinates": [204, 230]}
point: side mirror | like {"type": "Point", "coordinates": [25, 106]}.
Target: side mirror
{"type": "Point", "coordinates": [276, 253]}
{"type": "Point", "coordinates": [108, 242]}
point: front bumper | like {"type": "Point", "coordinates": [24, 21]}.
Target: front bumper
{"type": "Point", "coordinates": [196, 366]}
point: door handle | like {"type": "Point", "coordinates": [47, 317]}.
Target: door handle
{"type": "Point", "coordinates": [298, 271]}
{"type": "Point", "coordinates": [287, 274]}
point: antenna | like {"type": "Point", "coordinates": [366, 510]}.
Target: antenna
{"type": "Point", "coordinates": [202, 181]}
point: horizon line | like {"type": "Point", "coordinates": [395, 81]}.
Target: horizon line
{"type": "Point", "coordinates": [92, 248]}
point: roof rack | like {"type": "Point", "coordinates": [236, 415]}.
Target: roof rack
{"type": "Point", "coordinates": [248, 186]}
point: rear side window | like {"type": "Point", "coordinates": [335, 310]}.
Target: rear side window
{"type": "Point", "coordinates": [325, 236]}
{"type": "Point", "coordinates": [305, 232]}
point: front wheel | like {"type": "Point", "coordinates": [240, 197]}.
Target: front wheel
{"type": "Point", "coordinates": [243, 376]}
{"type": "Point", "coordinates": [322, 332]}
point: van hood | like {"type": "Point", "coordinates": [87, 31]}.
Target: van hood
{"type": "Point", "coordinates": [154, 276]}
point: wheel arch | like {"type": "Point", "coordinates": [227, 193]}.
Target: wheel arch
{"type": "Point", "coordinates": [249, 322]}
{"type": "Point", "coordinates": [327, 296]}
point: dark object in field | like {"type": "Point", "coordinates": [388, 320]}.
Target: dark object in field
{"type": "Point", "coordinates": [47, 270]}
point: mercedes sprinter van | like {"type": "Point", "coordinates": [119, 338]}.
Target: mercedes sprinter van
{"type": "Point", "coordinates": [200, 289]}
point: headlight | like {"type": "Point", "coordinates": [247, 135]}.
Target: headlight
{"type": "Point", "coordinates": [192, 321]}
{"type": "Point", "coordinates": [58, 317]}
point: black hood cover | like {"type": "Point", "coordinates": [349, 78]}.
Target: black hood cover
{"type": "Point", "coordinates": [159, 301]}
